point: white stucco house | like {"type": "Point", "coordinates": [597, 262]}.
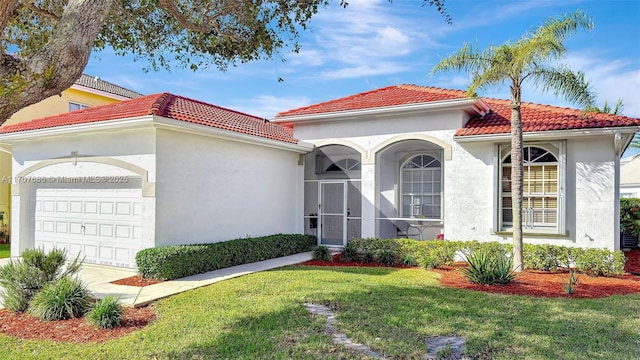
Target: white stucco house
{"type": "Point", "coordinates": [432, 161]}
{"type": "Point", "coordinates": [402, 160]}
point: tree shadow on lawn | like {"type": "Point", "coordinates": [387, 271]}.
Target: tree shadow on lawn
{"type": "Point", "coordinates": [396, 320]}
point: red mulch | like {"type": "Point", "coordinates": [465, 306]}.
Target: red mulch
{"type": "Point", "coordinates": [535, 283]}
{"type": "Point", "coordinates": [25, 326]}
{"type": "Point", "coordinates": [633, 262]}
{"type": "Point", "coordinates": [136, 280]}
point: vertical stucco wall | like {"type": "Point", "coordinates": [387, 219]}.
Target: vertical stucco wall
{"type": "Point", "coordinates": [135, 147]}
{"type": "Point", "coordinates": [590, 195]}
{"type": "Point", "coordinates": [211, 190]}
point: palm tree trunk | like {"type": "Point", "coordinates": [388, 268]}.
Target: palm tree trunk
{"type": "Point", "coordinates": [516, 177]}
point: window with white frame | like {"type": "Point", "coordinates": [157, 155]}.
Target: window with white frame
{"type": "Point", "coordinates": [421, 189]}
{"type": "Point", "coordinates": [542, 178]}
{"type": "Point", "coordinates": [75, 106]}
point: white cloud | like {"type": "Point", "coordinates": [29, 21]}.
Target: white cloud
{"type": "Point", "coordinates": [611, 79]}
{"type": "Point", "coordinates": [383, 68]}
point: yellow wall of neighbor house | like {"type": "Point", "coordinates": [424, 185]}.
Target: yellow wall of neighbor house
{"type": "Point", "coordinates": [59, 104]}
{"type": "Point", "coordinates": [53, 105]}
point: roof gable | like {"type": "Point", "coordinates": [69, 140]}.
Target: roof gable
{"type": "Point", "coordinates": [536, 118]}
{"type": "Point", "coordinates": [165, 105]}
{"type": "Point", "coordinates": [96, 83]}
{"type": "Point", "coordinates": [387, 96]}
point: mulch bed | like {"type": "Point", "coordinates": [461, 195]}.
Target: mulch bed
{"type": "Point", "coordinates": [534, 283]}
{"type": "Point", "coordinates": [25, 326]}
{"type": "Point", "coordinates": [136, 280]}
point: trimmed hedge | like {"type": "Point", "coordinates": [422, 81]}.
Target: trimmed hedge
{"type": "Point", "coordinates": [431, 254]}
{"type": "Point", "coordinates": [172, 262]}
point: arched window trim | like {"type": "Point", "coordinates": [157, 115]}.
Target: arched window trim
{"type": "Point", "coordinates": [558, 150]}
{"type": "Point", "coordinates": [417, 208]}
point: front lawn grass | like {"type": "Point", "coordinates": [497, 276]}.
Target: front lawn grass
{"type": "Point", "coordinates": [262, 316]}
{"type": "Point", "coordinates": [5, 250]}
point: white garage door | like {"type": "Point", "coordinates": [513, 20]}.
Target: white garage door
{"type": "Point", "coordinates": [101, 222]}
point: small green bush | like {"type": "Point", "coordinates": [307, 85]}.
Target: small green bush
{"type": "Point", "coordinates": [349, 253]}
{"type": "Point", "coordinates": [19, 284]}
{"type": "Point", "coordinates": [599, 262]}
{"type": "Point", "coordinates": [489, 268]}
{"type": "Point", "coordinates": [546, 257]}
{"type": "Point", "coordinates": [63, 299]}
{"type": "Point", "coordinates": [570, 285]}
{"type": "Point", "coordinates": [630, 216]}
{"type": "Point", "coordinates": [428, 261]}
{"type": "Point", "coordinates": [321, 253]}
{"type": "Point", "coordinates": [409, 260]}
{"type": "Point", "coordinates": [172, 262]}
{"type": "Point", "coordinates": [21, 280]}
{"type": "Point", "coordinates": [106, 313]}
{"type": "Point", "coordinates": [386, 257]}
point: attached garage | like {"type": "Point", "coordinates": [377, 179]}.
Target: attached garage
{"type": "Point", "coordinates": [108, 181]}
{"type": "Point", "coordinates": [100, 222]}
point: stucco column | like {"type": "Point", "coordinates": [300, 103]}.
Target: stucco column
{"type": "Point", "coordinates": [368, 200]}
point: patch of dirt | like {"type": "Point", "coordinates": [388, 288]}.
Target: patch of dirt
{"type": "Point", "coordinates": [136, 280]}
{"type": "Point", "coordinates": [25, 326]}
{"type": "Point", "coordinates": [534, 283]}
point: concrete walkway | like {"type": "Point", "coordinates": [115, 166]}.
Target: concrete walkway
{"type": "Point", "coordinates": [98, 279]}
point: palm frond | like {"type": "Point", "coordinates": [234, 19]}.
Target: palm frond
{"type": "Point", "coordinates": [564, 82]}
{"type": "Point", "coordinates": [467, 58]}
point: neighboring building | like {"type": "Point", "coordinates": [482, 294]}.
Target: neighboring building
{"type": "Point", "coordinates": [159, 170]}
{"type": "Point", "coordinates": [87, 91]}
{"type": "Point", "coordinates": [630, 177]}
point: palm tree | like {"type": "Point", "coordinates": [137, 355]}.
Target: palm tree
{"type": "Point", "coordinates": [606, 109]}
{"type": "Point", "coordinates": [528, 59]}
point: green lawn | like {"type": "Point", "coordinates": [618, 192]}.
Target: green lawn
{"type": "Point", "coordinates": [261, 316]}
{"type": "Point", "coordinates": [5, 250]}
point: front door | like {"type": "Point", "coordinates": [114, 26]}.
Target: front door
{"type": "Point", "coordinates": [332, 213]}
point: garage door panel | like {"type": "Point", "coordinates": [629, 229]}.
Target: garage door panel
{"type": "Point", "coordinates": [103, 224]}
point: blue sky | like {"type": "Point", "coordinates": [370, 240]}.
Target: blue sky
{"type": "Point", "coordinates": [373, 43]}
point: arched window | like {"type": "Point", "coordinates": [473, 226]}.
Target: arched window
{"type": "Point", "coordinates": [421, 179]}
{"type": "Point", "coordinates": [540, 178]}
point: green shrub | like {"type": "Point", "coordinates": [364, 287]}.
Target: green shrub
{"type": "Point", "coordinates": [62, 299]}
{"type": "Point", "coordinates": [570, 285]}
{"type": "Point", "coordinates": [19, 284]}
{"type": "Point", "coordinates": [428, 261]}
{"type": "Point", "coordinates": [106, 313]}
{"type": "Point", "coordinates": [409, 260]}
{"type": "Point", "coordinates": [321, 253]}
{"type": "Point", "coordinates": [349, 253]}
{"type": "Point", "coordinates": [489, 268]}
{"type": "Point", "coordinates": [546, 257]}
{"type": "Point", "coordinates": [599, 262]}
{"type": "Point", "coordinates": [630, 216]}
{"type": "Point", "coordinates": [172, 262]}
{"type": "Point", "coordinates": [21, 280]}
{"type": "Point", "coordinates": [386, 257]}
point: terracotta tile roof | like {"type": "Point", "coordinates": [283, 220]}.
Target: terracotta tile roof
{"type": "Point", "coordinates": [536, 117]}
{"type": "Point", "coordinates": [96, 83]}
{"type": "Point", "coordinates": [386, 96]}
{"type": "Point", "coordinates": [166, 105]}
